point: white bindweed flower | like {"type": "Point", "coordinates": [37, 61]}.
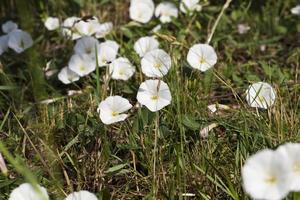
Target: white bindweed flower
{"type": "Point", "coordinates": [86, 45]}
{"type": "Point", "coordinates": [9, 26]}
{"type": "Point", "coordinates": [121, 69]}
{"type": "Point", "coordinates": [264, 176]}
{"type": "Point", "coordinates": [81, 195]}
{"type": "Point", "coordinates": [260, 95]}
{"type": "Point", "coordinates": [67, 76]}
{"type": "Point", "coordinates": [19, 40]}
{"type": "Point", "coordinates": [190, 6]}
{"type": "Point", "coordinates": [165, 11]}
{"type": "Point", "coordinates": [27, 192]}
{"type": "Point", "coordinates": [154, 94]}
{"type": "Point", "coordinates": [141, 10]}
{"type": "Point", "coordinates": [68, 28]}
{"type": "Point", "coordinates": [145, 45]}
{"type": "Point", "coordinates": [103, 29]}
{"type": "Point", "coordinates": [3, 44]}
{"type": "Point", "coordinates": [296, 10]}
{"type": "Point", "coordinates": [52, 23]}
{"type": "Point", "coordinates": [87, 28]}
{"type": "Point", "coordinates": [82, 64]}
{"type": "Point", "coordinates": [107, 52]}
{"type": "Point", "coordinates": [290, 152]}
{"type": "Point", "coordinates": [202, 57]}
{"type": "Point", "coordinates": [156, 63]}
{"type": "Point", "coordinates": [112, 108]}
{"type": "Point", "coordinates": [243, 28]}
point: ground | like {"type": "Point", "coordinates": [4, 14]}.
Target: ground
{"type": "Point", "coordinates": [65, 147]}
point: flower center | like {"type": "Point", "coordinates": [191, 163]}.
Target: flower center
{"type": "Point", "coordinates": [202, 60]}
{"type": "Point", "coordinates": [157, 65]}
{"type": "Point", "coordinates": [121, 72]}
{"type": "Point", "coordinates": [154, 98]}
{"type": "Point", "coordinates": [82, 68]}
{"type": "Point", "coordinates": [271, 180]}
{"type": "Point", "coordinates": [114, 113]}
{"type": "Point", "coordinates": [296, 168]}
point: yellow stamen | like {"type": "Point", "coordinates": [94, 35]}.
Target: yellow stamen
{"type": "Point", "coordinates": [154, 98]}
{"type": "Point", "coordinates": [157, 65]}
{"type": "Point", "coordinates": [82, 68]}
{"type": "Point", "coordinates": [114, 113]}
{"type": "Point", "coordinates": [271, 180]}
{"type": "Point", "coordinates": [202, 60]}
{"type": "Point", "coordinates": [296, 167]}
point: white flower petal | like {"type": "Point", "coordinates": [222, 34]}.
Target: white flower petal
{"type": "Point", "coordinates": [121, 69]}
{"type": "Point", "coordinates": [86, 45]}
{"type": "Point", "coordinates": [145, 45]}
{"type": "Point", "coordinates": [296, 10]}
{"type": "Point", "coordinates": [260, 95]}
{"type": "Point", "coordinates": [190, 6]}
{"type": "Point", "coordinates": [52, 23]}
{"type": "Point", "coordinates": [165, 11]}
{"type": "Point", "coordinates": [154, 94]}
{"type": "Point", "coordinates": [67, 76]}
{"type": "Point", "coordinates": [27, 191]}
{"type": "Point", "coordinates": [202, 57]}
{"type": "Point", "coordinates": [156, 63]}
{"type": "Point", "coordinates": [82, 64]}
{"type": "Point", "coordinates": [19, 40]}
{"type": "Point", "coordinates": [141, 10]}
{"type": "Point", "coordinates": [9, 26]}
{"type": "Point", "coordinates": [81, 195]}
{"type": "Point", "coordinates": [3, 44]}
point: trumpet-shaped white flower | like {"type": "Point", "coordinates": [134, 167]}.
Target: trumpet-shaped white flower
{"type": "Point", "coordinates": [82, 64]}
{"type": "Point", "coordinates": [141, 10]}
{"type": "Point", "coordinates": [296, 10]}
{"type": "Point", "coordinates": [87, 28]}
{"type": "Point", "coordinates": [202, 57]}
{"type": "Point", "coordinates": [9, 26]}
{"type": "Point", "coordinates": [86, 45]}
{"type": "Point", "coordinates": [103, 29]}
{"type": "Point", "coordinates": [67, 76]}
{"type": "Point", "coordinates": [107, 52]}
{"type": "Point", "coordinates": [121, 69]}
{"type": "Point", "coordinates": [145, 45]}
{"type": "Point", "coordinates": [264, 176]}
{"type": "Point", "coordinates": [190, 6]}
{"type": "Point", "coordinates": [156, 63]}
{"type": "Point", "coordinates": [19, 40]}
{"type": "Point", "coordinates": [112, 108]}
{"type": "Point", "coordinates": [290, 152]}
{"type": "Point", "coordinates": [3, 44]}
{"type": "Point", "coordinates": [68, 28]}
{"type": "Point", "coordinates": [81, 195]}
{"type": "Point", "coordinates": [165, 11]}
{"type": "Point", "coordinates": [52, 23]}
{"type": "Point", "coordinates": [27, 192]}
{"type": "Point", "coordinates": [260, 95]}
{"type": "Point", "coordinates": [154, 94]}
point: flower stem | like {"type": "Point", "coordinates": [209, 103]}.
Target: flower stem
{"type": "Point", "coordinates": [225, 6]}
{"type": "Point", "coordinates": [155, 152]}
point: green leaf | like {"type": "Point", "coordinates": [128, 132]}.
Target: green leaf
{"type": "Point", "coordinates": [190, 122]}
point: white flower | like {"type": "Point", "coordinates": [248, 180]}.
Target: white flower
{"type": "Point", "coordinates": [9, 26]}
{"type": "Point", "coordinates": [145, 45]}
{"type": "Point", "coordinates": [81, 195]}
{"type": "Point", "coordinates": [260, 95]}
{"type": "Point", "coordinates": [141, 10]}
{"type": "Point", "coordinates": [165, 11]}
{"type": "Point", "coordinates": [264, 176]}
{"type": "Point", "coordinates": [82, 64]}
{"type": "Point", "coordinates": [86, 45]}
{"type": "Point", "coordinates": [19, 40]}
{"type": "Point", "coordinates": [28, 192]}
{"type": "Point", "coordinates": [107, 52]}
{"type": "Point", "coordinates": [243, 28]}
{"type": "Point", "coordinates": [68, 28]}
{"type": "Point", "coordinates": [156, 29]}
{"type": "Point", "coordinates": [296, 10]}
{"type": "Point", "coordinates": [87, 28]}
{"type": "Point", "coordinates": [111, 109]}
{"type": "Point", "coordinates": [202, 57]}
{"type": "Point", "coordinates": [156, 63]}
{"type": "Point", "coordinates": [52, 23]}
{"type": "Point", "coordinates": [103, 29]}
{"type": "Point", "coordinates": [190, 6]}
{"type": "Point", "coordinates": [154, 94]}
{"type": "Point", "coordinates": [3, 44]}
{"type": "Point", "coordinates": [290, 152]}
{"type": "Point", "coordinates": [121, 69]}
{"type": "Point", "coordinates": [67, 76]}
